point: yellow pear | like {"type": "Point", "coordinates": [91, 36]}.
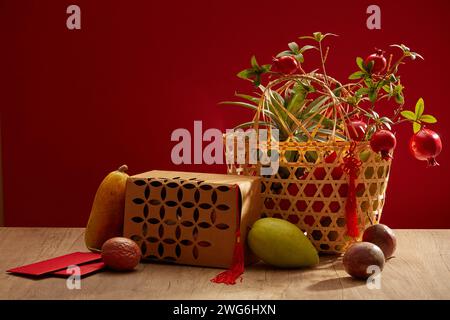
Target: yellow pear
{"type": "Point", "coordinates": [107, 213]}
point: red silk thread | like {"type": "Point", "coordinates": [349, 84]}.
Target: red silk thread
{"type": "Point", "coordinates": [351, 168]}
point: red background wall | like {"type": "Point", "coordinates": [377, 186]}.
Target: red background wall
{"type": "Point", "coordinates": [77, 104]}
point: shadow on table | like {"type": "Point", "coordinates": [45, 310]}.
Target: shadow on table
{"type": "Point", "coordinates": [336, 284]}
{"type": "Point", "coordinates": [331, 262]}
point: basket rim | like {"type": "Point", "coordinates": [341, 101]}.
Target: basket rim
{"type": "Point", "coordinates": [320, 144]}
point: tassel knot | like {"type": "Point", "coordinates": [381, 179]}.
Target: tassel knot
{"type": "Point", "coordinates": [351, 168]}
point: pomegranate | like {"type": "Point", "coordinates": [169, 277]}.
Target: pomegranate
{"type": "Point", "coordinates": [357, 130]}
{"type": "Point", "coordinates": [286, 64]}
{"type": "Point", "coordinates": [379, 61]}
{"type": "Point", "coordinates": [426, 145]}
{"type": "Point", "coordinates": [383, 141]}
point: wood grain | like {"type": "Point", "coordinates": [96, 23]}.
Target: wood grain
{"type": "Point", "coordinates": [2, 214]}
{"type": "Point", "coordinates": [420, 270]}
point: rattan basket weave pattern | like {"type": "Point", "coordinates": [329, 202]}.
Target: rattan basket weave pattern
{"type": "Point", "coordinates": [312, 195]}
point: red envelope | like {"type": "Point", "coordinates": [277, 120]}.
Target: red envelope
{"type": "Point", "coordinates": [55, 264]}
{"type": "Point", "coordinates": [85, 269]}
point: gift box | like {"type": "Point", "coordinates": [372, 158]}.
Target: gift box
{"type": "Point", "coordinates": [191, 218]}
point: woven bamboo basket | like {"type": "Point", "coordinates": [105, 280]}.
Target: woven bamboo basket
{"type": "Point", "coordinates": [310, 188]}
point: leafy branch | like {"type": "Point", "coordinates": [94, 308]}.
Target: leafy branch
{"type": "Point", "coordinates": [254, 72]}
{"type": "Point", "coordinates": [417, 118]}
{"type": "Point", "coordinates": [305, 104]}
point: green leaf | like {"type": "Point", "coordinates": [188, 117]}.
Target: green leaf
{"type": "Point", "coordinates": [257, 80]}
{"type": "Point", "coordinates": [360, 63]}
{"type": "Point", "coordinates": [362, 91]}
{"type": "Point", "coordinates": [402, 47]}
{"type": "Point", "coordinates": [284, 53]}
{"type": "Point", "coordinates": [240, 103]}
{"type": "Point", "coordinates": [245, 74]}
{"type": "Point", "coordinates": [353, 101]}
{"type": "Point", "coordinates": [375, 115]}
{"type": "Point", "coordinates": [399, 98]}
{"type": "Point", "coordinates": [420, 107]}
{"type": "Point", "coordinates": [247, 97]}
{"type": "Point", "coordinates": [266, 67]}
{"type": "Point", "coordinates": [294, 47]}
{"type": "Point", "coordinates": [408, 115]}
{"type": "Point", "coordinates": [357, 75]}
{"type": "Point", "coordinates": [318, 36]}
{"type": "Point", "coordinates": [328, 123]}
{"type": "Point", "coordinates": [407, 52]}
{"type": "Point", "coordinates": [306, 37]}
{"type": "Point", "coordinates": [254, 63]}
{"type": "Point", "coordinates": [369, 82]}
{"type": "Point", "coordinates": [428, 118]}
{"type": "Point", "coordinates": [295, 104]}
{"type": "Point", "coordinates": [398, 88]}
{"type": "Point", "coordinates": [299, 58]}
{"type": "Point", "coordinates": [369, 66]}
{"type": "Point", "coordinates": [370, 132]}
{"type": "Point", "coordinates": [337, 92]}
{"type": "Point", "coordinates": [307, 47]}
{"type": "Point", "coordinates": [373, 94]}
{"type": "Point", "coordinates": [276, 102]}
{"type": "Point", "coordinates": [386, 120]}
{"type": "Point", "coordinates": [416, 127]}
{"type": "Point", "coordinates": [317, 103]}
{"type": "Point", "coordinates": [393, 78]}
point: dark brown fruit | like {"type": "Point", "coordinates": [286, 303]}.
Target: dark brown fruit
{"type": "Point", "coordinates": [360, 256]}
{"type": "Point", "coordinates": [121, 254]}
{"type": "Point", "coordinates": [382, 236]}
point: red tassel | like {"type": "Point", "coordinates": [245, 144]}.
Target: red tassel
{"type": "Point", "coordinates": [237, 265]}
{"type": "Point", "coordinates": [351, 167]}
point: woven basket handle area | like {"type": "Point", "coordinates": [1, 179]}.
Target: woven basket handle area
{"type": "Point", "coordinates": [337, 108]}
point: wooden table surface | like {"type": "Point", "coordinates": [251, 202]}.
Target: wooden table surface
{"type": "Point", "coordinates": [420, 270]}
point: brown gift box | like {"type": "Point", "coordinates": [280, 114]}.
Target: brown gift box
{"type": "Point", "coordinates": [191, 218]}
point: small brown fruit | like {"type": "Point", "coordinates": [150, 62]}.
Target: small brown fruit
{"type": "Point", "coordinates": [360, 256]}
{"type": "Point", "coordinates": [121, 254]}
{"type": "Point", "coordinates": [382, 236]}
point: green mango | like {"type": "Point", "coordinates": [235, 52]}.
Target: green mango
{"type": "Point", "coordinates": [282, 244]}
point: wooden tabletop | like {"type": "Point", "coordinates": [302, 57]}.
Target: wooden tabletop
{"type": "Point", "coordinates": [420, 270]}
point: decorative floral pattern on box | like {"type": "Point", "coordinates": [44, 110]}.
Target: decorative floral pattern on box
{"type": "Point", "coordinates": [187, 221]}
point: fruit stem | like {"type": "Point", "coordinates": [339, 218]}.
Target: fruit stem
{"type": "Point", "coordinates": [432, 162]}
{"type": "Point", "coordinates": [385, 155]}
{"type": "Point", "coordinates": [123, 168]}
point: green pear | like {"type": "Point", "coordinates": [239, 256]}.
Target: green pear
{"type": "Point", "coordinates": [282, 244]}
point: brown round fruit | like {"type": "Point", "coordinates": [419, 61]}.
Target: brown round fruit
{"type": "Point", "coordinates": [121, 254]}
{"type": "Point", "coordinates": [360, 256]}
{"type": "Point", "coordinates": [382, 236]}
